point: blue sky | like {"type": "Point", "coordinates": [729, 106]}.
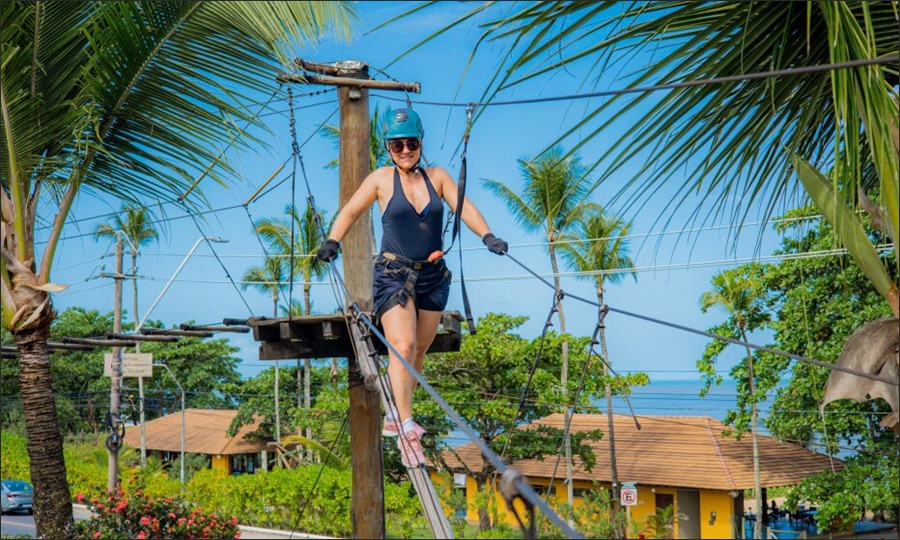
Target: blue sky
{"type": "Point", "coordinates": [673, 270]}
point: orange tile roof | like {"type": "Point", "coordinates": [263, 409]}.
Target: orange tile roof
{"type": "Point", "coordinates": [679, 451]}
{"type": "Point", "coordinates": [204, 433]}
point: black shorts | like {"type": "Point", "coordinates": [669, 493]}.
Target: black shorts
{"type": "Point", "coordinates": [430, 292]}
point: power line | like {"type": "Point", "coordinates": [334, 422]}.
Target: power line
{"type": "Point", "coordinates": [790, 72]}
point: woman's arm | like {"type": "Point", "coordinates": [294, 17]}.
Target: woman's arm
{"type": "Point", "coordinates": [362, 200]}
{"type": "Point", "coordinates": [471, 216]}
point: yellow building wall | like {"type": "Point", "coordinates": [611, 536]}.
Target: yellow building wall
{"type": "Point", "coordinates": [710, 501]}
{"type": "Point", "coordinates": [722, 504]}
{"type": "Point", "coordinates": [220, 463]}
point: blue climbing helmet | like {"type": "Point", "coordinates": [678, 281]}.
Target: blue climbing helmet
{"type": "Point", "coordinates": [403, 124]}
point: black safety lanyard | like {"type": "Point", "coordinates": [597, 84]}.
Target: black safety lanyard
{"type": "Point", "coordinates": [460, 199]}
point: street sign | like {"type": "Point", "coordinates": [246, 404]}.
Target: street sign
{"type": "Point", "coordinates": [629, 494]}
{"type": "Point", "coordinates": [133, 365]}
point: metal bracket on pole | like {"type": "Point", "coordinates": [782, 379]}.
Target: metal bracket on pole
{"type": "Point", "coordinates": [366, 356]}
{"type": "Point", "coordinates": [509, 489]}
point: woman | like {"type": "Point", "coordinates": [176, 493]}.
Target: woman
{"type": "Point", "coordinates": [411, 281]}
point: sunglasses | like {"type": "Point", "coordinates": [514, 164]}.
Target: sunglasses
{"type": "Point", "coordinates": [396, 145]}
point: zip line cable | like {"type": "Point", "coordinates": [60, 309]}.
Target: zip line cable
{"type": "Point", "coordinates": [803, 70]}
{"type": "Point", "coordinates": [716, 336]}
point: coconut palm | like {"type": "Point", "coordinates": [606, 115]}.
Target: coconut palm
{"type": "Point", "coordinates": [139, 231]}
{"type": "Point", "coordinates": [131, 100]}
{"type": "Point", "coordinates": [267, 279]}
{"type": "Point", "coordinates": [296, 238]}
{"type": "Point", "coordinates": [552, 199]}
{"type": "Point", "coordinates": [598, 250]}
{"type": "Point", "coordinates": [751, 134]}
{"type": "Point", "coordinates": [740, 295]}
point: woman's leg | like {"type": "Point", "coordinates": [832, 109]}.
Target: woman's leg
{"type": "Point", "coordinates": [426, 329]}
{"type": "Point", "coordinates": [399, 324]}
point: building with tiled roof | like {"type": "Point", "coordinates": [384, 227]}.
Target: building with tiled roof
{"type": "Point", "coordinates": [688, 461]}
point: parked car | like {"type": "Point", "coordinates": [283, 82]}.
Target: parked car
{"type": "Point", "coordinates": [16, 496]}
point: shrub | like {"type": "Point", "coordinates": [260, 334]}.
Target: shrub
{"type": "Point", "coordinates": [14, 462]}
{"type": "Point", "coordinates": [141, 516]}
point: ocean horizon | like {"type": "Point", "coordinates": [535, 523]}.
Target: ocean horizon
{"type": "Point", "coordinates": [668, 397]}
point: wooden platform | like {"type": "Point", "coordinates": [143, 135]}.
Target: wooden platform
{"type": "Point", "coordinates": [327, 336]}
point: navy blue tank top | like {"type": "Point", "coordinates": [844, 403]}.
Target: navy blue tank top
{"type": "Point", "coordinates": [408, 233]}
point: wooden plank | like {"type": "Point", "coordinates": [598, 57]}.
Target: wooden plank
{"type": "Point", "coordinates": [326, 336]}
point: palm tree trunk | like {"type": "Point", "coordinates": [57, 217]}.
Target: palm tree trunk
{"type": "Point", "coordinates": [564, 379]}
{"type": "Point", "coordinates": [613, 468]}
{"type": "Point", "coordinates": [52, 500]}
{"type": "Point", "coordinates": [757, 484]}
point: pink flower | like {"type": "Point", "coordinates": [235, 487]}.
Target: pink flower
{"type": "Point", "coordinates": [181, 521]}
{"type": "Point", "coordinates": [172, 515]}
{"type": "Point", "coordinates": [141, 535]}
{"type": "Point", "coordinates": [237, 535]}
{"type": "Point", "coordinates": [97, 534]}
{"type": "Point", "coordinates": [79, 497]}
{"type": "Point", "coordinates": [145, 520]}
{"type": "Point", "coordinates": [234, 521]}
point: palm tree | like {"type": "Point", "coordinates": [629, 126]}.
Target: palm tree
{"type": "Point", "coordinates": [598, 250]}
{"type": "Point", "coordinates": [96, 95]}
{"type": "Point", "coordinates": [139, 231]}
{"type": "Point", "coordinates": [298, 237]}
{"type": "Point", "coordinates": [267, 279]}
{"type": "Point", "coordinates": [740, 295]}
{"type": "Point", "coordinates": [553, 199]}
{"type": "Point", "coordinates": [753, 133]}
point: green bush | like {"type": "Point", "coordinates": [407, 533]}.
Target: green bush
{"type": "Point", "coordinates": [284, 499]}
{"type": "Point", "coordinates": [140, 516]}
{"type": "Point", "coordinates": [14, 462]}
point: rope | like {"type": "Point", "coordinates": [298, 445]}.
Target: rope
{"type": "Point", "coordinates": [716, 336]}
{"type": "Point", "coordinates": [295, 151]}
{"type": "Point", "coordinates": [671, 86]}
{"type": "Point", "coordinates": [219, 260]}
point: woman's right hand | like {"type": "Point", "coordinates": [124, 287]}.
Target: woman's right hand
{"type": "Point", "coordinates": [329, 250]}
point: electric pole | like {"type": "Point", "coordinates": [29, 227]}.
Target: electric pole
{"type": "Point", "coordinates": [113, 441]}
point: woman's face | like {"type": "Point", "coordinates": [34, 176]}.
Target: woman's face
{"type": "Point", "coordinates": [406, 152]}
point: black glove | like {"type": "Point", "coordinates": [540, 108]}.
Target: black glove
{"type": "Point", "coordinates": [494, 244]}
{"type": "Point", "coordinates": [329, 250]}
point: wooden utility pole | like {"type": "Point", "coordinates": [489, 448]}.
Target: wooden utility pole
{"type": "Point", "coordinates": [367, 503]}
{"type": "Point", "coordinates": [352, 80]}
{"type": "Point", "coordinates": [112, 442]}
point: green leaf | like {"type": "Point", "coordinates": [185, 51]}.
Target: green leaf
{"type": "Point", "coordinates": [846, 224]}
